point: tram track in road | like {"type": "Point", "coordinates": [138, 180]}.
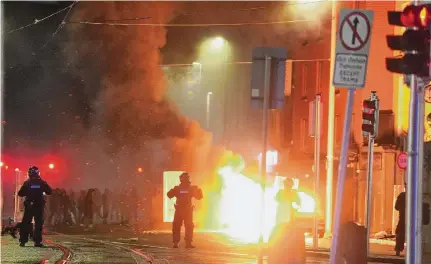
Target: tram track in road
{"type": "Point", "coordinates": [91, 251]}
{"type": "Point", "coordinates": [83, 248]}
{"type": "Point", "coordinates": [161, 254]}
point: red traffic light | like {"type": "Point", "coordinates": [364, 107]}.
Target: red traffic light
{"type": "Point", "coordinates": [369, 107]}
{"type": "Point", "coordinates": [411, 16]}
{"type": "Point", "coordinates": [416, 16]}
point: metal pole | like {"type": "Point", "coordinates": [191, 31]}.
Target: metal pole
{"type": "Point", "coordinates": [331, 118]}
{"type": "Point", "coordinates": [317, 130]}
{"type": "Point", "coordinates": [413, 228]}
{"type": "Point", "coordinates": [369, 188]}
{"type": "Point", "coordinates": [15, 198]}
{"type": "Point", "coordinates": [341, 173]}
{"type": "Point", "coordinates": [421, 120]}
{"type": "Point", "coordinates": [264, 145]}
{"type": "Point", "coordinates": [208, 110]}
{"type": "Point", "coordinates": [371, 137]}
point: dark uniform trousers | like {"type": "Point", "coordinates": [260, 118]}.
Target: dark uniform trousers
{"type": "Point", "coordinates": [183, 214]}
{"type": "Point", "coordinates": [36, 210]}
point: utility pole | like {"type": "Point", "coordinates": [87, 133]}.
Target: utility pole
{"type": "Point", "coordinates": [331, 124]}
{"type": "Point", "coordinates": [315, 117]}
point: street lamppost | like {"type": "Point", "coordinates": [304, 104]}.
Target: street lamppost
{"type": "Point", "coordinates": [208, 109]}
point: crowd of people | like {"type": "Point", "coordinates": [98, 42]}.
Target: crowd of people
{"type": "Point", "coordinates": [88, 207]}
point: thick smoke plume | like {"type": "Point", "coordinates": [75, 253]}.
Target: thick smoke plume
{"type": "Point", "coordinates": [131, 110]}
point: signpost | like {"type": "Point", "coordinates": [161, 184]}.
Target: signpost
{"type": "Point", "coordinates": [402, 160]}
{"type": "Point", "coordinates": [315, 117]}
{"type": "Point", "coordinates": [351, 59]}
{"type": "Point", "coordinates": [267, 91]}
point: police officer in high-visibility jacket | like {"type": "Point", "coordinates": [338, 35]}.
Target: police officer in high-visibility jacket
{"type": "Point", "coordinates": [184, 209]}
{"type": "Point", "coordinates": [33, 190]}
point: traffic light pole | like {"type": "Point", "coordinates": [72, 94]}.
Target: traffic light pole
{"type": "Point", "coordinates": [421, 119]}
{"type": "Point", "coordinates": [414, 199]}
{"type": "Point", "coordinates": [266, 93]}
{"type": "Point", "coordinates": [342, 173]}
{"type": "Point", "coordinates": [373, 97]}
{"type": "Point", "coordinates": [317, 129]}
{"type": "Point", "coordinates": [369, 188]}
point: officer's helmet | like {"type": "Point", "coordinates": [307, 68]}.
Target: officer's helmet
{"type": "Point", "coordinates": [185, 177]}
{"type": "Point", "coordinates": [33, 172]}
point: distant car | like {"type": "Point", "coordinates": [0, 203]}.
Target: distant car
{"type": "Point", "coordinates": [304, 216]}
{"type": "Point", "coordinates": [306, 221]}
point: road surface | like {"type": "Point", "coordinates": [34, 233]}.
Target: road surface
{"type": "Point", "coordinates": [94, 249]}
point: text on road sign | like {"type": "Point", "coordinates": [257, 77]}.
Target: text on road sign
{"type": "Point", "coordinates": [350, 70]}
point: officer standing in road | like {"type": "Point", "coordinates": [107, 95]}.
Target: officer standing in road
{"type": "Point", "coordinates": [184, 209]}
{"type": "Point", "coordinates": [34, 205]}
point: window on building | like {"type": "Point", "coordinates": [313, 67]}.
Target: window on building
{"type": "Point", "coordinates": [304, 133]}
{"type": "Point", "coordinates": [319, 70]}
{"type": "Point", "coordinates": [304, 79]}
{"type": "Point", "coordinates": [336, 130]}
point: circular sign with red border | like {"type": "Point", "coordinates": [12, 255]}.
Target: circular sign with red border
{"type": "Point", "coordinates": [354, 31]}
{"type": "Point", "coordinates": [402, 160]}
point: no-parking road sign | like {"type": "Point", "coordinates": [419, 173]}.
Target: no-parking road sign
{"type": "Point", "coordinates": [353, 46]}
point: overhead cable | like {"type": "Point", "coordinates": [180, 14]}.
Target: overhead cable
{"type": "Point", "coordinates": [191, 24]}
{"type": "Point", "coordinates": [36, 21]}
{"type": "Point", "coordinates": [234, 62]}
{"type": "Point", "coordinates": [61, 24]}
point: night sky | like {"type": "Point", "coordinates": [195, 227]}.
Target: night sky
{"type": "Point", "coordinates": [41, 106]}
{"type": "Point", "coordinates": [90, 78]}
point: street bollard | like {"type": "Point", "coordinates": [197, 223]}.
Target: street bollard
{"type": "Point", "coordinates": [352, 248]}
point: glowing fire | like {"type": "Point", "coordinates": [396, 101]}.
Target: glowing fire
{"type": "Point", "coordinates": [241, 211]}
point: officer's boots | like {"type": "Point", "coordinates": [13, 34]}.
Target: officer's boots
{"type": "Point", "coordinates": [189, 245]}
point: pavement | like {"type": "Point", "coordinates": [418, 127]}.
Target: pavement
{"type": "Point", "coordinates": [11, 252]}
{"type": "Point", "coordinates": [121, 244]}
{"type": "Point", "coordinates": [381, 250]}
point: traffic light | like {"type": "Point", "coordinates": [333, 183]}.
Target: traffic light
{"type": "Point", "coordinates": [370, 117]}
{"type": "Point", "coordinates": [415, 42]}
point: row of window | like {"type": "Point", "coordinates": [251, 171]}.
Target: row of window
{"type": "Point", "coordinates": [307, 73]}
{"type": "Point", "coordinates": [303, 133]}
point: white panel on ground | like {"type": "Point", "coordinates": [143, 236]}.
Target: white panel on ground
{"type": "Point", "coordinates": [170, 179]}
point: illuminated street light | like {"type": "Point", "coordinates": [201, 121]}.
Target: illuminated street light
{"type": "Point", "coordinates": [217, 42]}
{"type": "Point", "coordinates": [51, 166]}
{"type": "Point", "coordinates": [16, 169]}
{"type": "Point", "coordinates": [139, 170]}
{"type": "Point", "coordinates": [1, 163]}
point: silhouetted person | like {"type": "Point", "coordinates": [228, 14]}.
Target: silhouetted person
{"type": "Point", "coordinates": [81, 207]}
{"type": "Point", "coordinates": [133, 205]}
{"type": "Point", "coordinates": [54, 207]}
{"type": "Point", "coordinates": [286, 199]}
{"type": "Point", "coordinates": [107, 205]}
{"type": "Point", "coordinates": [89, 206]}
{"type": "Point", "coordinates": [34, 206]}
{"type": "Point", "coordinates": [184, 209]}
{"type": "Point", "coordinates": [400, 231]}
